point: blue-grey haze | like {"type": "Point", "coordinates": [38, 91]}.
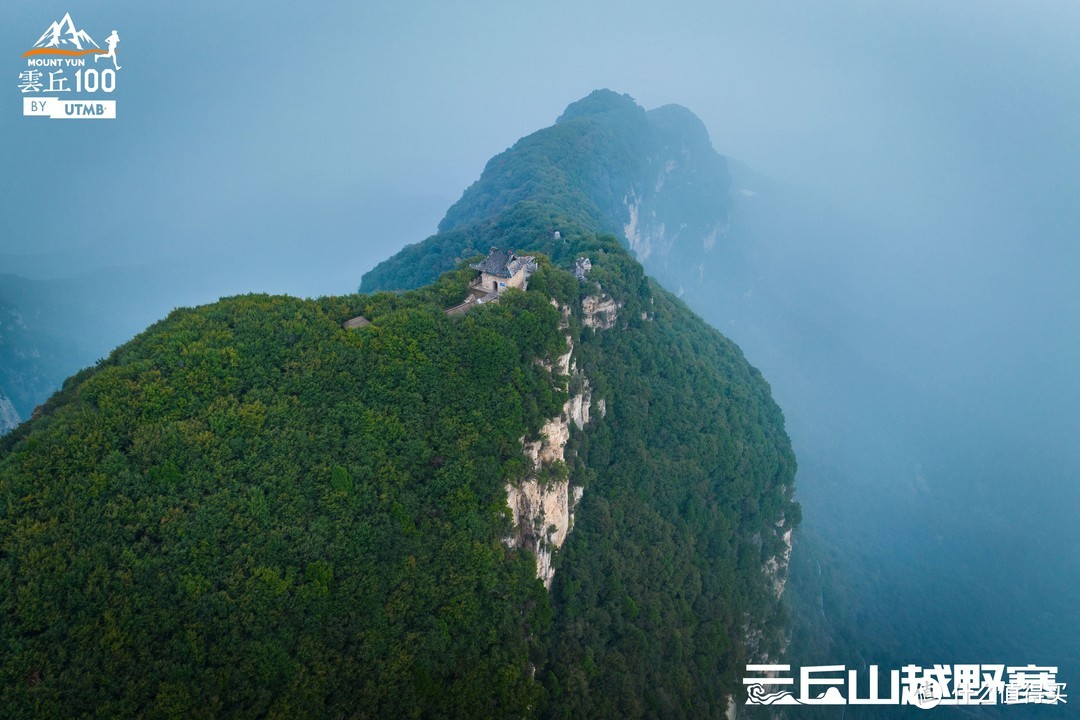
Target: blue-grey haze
{"type": "Point", "coordinates": [288, 147]}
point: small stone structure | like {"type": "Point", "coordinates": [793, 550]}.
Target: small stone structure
{"type": "Point", "coordinates": [357, 322]}
{"type": "Point", "coordinates": [502, 269]}
{"type": "Point", "coordinates": [499, 271]}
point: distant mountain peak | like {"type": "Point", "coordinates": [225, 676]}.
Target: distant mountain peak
{"type": "Point", "coordinates": [606, 165]}
{"type": "Point", "coordinates": [600, 101]}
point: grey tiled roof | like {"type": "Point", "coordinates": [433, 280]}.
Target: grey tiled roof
{"type": "Point", "coordinates": [495, 263]}
{"type": "Point", "coordinates": [503, 263]}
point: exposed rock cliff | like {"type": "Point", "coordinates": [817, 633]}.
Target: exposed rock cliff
{"type": "Point", "coordinates": [601, 311]}
{"type": "Point", "coordinates": [295, 477]}
{"type": "Point", "coordinates": [776, 567]}
{"type": "Point", "coordinates": [9, 419]}
{"type": "Point", "coordinates": [543, 504]}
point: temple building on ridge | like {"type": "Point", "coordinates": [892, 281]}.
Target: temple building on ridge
{"type": "Point", "coordinates": [502, 269]}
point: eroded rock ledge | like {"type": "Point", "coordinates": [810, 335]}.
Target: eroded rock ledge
{"type": "Point", "coordinates": [543, 503]}
{"type": "Point", "coordinates": [600, 311]}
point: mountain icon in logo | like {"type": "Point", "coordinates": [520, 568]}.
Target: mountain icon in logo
{"type": "Point", "coordinates": [63, 34]}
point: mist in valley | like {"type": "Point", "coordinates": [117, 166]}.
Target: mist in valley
{"type": "Point", "coordinates": [901, 260]}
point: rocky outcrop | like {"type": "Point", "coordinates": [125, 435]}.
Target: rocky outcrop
{"type": "Point", "coordinates": [600, 311]}
{"type": "Point", "coordinates": [9, 418]}
{"type": "Point", "coordinates": [582, 267]}
{"type": "Point", "coordinates": [542, 521]}
{"type": "Point", "coordinates": [632, 229]}
{"type": "Point", "coordinates": [543, 503]}
{"type": "Point", "coordinates": [776, 567]}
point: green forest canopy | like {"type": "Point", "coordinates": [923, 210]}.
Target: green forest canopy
{"type": "Point", "coordinates": [250, 511]}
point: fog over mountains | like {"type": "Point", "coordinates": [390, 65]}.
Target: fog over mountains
{"type": "Point", "coordinates": [570, 497]}
{"type": "Point", "coordinates": [887, 227]}
{"type": "Point", "coordinates": [913, 442]}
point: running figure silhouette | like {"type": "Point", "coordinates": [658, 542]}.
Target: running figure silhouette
{"type": "Point", "coordinates": [112, 41]}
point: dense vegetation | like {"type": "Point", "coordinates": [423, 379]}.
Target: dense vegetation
{"type": "Point", "coordinates": [660, 593]}
{"type": "Point", "coordinates": [249, 511]}
{"type": "Point", "coordinates": [52, 328]}
{"type": "Point", "coordinates": [580, 175]}
{"type": "Point", "coordinates": [34, 358]}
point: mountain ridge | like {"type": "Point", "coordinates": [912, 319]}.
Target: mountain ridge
{"type": "Point", "coordinates": [606, 165]}
{"type": "Point", "coordinates": [266, 513]}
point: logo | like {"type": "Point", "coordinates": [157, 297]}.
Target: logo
{"type": "Point", "coordinates": [58, 82]}
{"type": "Point", "coordinates": [925, 688]}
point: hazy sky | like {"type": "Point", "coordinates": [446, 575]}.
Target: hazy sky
{"type": "Point", "coordinates": [241, 120]}
{"type": "Point", "coordinates": [289, 147]}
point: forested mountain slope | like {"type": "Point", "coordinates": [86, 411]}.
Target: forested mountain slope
{"type": "Point", "coordinates": [248, 510]}
{"type": "Point", "coordinates": [606, 165]}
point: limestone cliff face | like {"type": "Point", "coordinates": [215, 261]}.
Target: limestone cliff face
{"type": "Point", "coordinates": [543, 504]}
{"type": "Point", "coordinates": [776, 567]}
{"type": "Point", "coordinates": [542, 517]}
{"type": "Point", "coordinates": [653, 180]}
{"type": "Point", "coordinates": [776, 570]}
{"type": "Point", "coordinates": [9, 419]}
{"type": "Point", "coordinates": [678, 207]}
{"type": "Point", "coordinates": [600, 311]}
